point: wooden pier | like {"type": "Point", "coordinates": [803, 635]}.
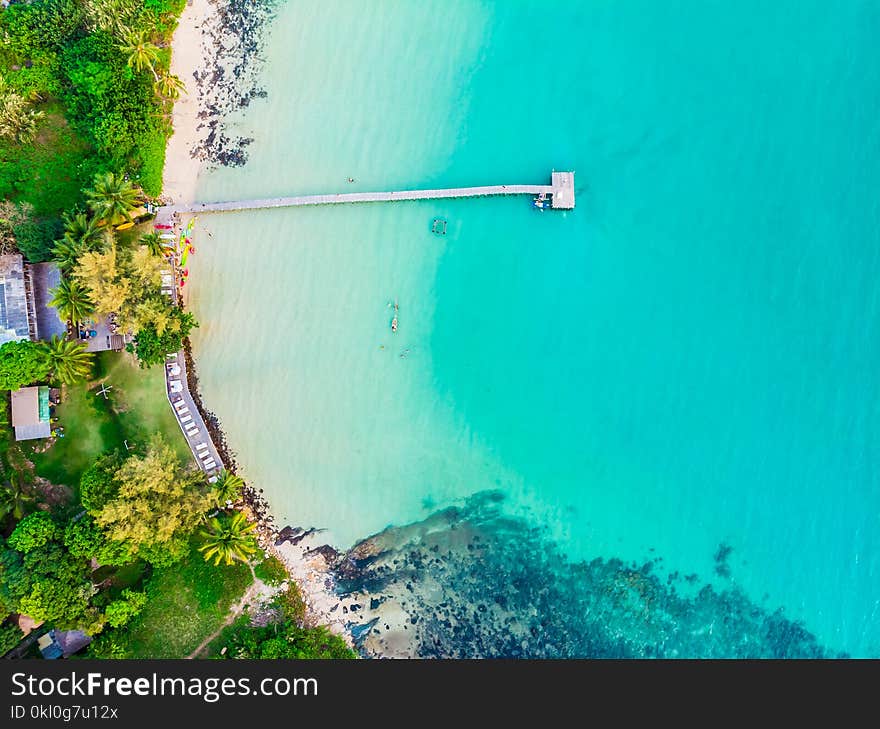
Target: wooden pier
{"type": "Point", "coordinates": [560, 192]}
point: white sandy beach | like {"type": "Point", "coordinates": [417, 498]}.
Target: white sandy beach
{"type": "Point", "coordinates": [181, 173]}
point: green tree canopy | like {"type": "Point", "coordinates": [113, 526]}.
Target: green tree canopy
{"type": "Point", "coordinates": [286, 640]}
{"type": "Point", "coordinates": [37, 27]}
{"type": "Point", "coordinates": [48, 583]}
{"type": "Point", "coordinates": [96, 485]}
{"type": "Point", "coordinates": [158, 504]}
{"type": "Point", "coordinates": [103, 275]}
{"type": "Point", "coordinates": [119, 612]}
{"type": "Point", "coordinates": [140, 53]}
{"type": "Point", "coordinates": [18, 118]}
{"type": "Point", "coordinates": [81, 234]}
{"type": "Point", "coordinates": [170, 86]}
{"type": "Point", "coordinates": [23, 363]}
{"type": "Point", "coordinates": [153, 243]}
{"type": "Point", "coordinates": [151, 347]}
{"type": "Point", "coordinates": [34, 531]}
{"type": "Point", "coordinates": [84, 539]}
{"type": "Point", "coordinates": [10, 636]}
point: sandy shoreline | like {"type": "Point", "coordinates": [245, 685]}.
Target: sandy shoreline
{"type": "Point", "coordinates": [182, 168]}
{"type": "Point", "coordinates": [184, 163]}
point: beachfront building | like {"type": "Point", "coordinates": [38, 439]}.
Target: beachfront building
{"type": "Point", "coordinates": [45, 277]}
{"type": "Point", "coordinates": [26, 311]}
{"type": "Point", "coordinates": [16, 301]}
{"type": "Point", "coordinates": [30, 413]}
{"type": "Point", "coordinates": [62, 643]}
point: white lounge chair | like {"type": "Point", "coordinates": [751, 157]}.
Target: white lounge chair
{"type": "Point", "coordinates": [213, 479]}
{"type": "Point", "coordinates": [201, 446]}
{"type": "Point", "coordinates": [206, 456]}
{"type": "Point", "coordinates": [192, 432]}
{"type": "Point", "coordinates": [210, 464]}
{"type": "Point", "coordinates": [186, 418]}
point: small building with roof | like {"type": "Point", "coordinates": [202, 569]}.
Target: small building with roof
{"type": "Point", "coordinates": [62, 643]}
{"type": "Point", "coordinates": [30, 413]}
{"type": "Point", "coordinates": [45, 277]}
{"type": "Point", "coordinates": [16, 301]}
{"type": "Point", "coordinates": [26, 311]}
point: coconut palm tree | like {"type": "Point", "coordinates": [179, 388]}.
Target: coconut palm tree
{"type": "Point", "coordinates": [81, 228]}
{"type": "Point", "coordinates": [15, 498]}
{"type": "Point", "coordinates": [70, 360]}
{"type": "Point", "coordinates": [170, 86]}
{"type": "Point", "coordinates": [66, 253]}
{"type": "Point", "coordinates": [81, 234]}
{"type": "Point", "coordinates": [153, 243]}
{"type": "Point", "coordinates": [228, 539]}
{"type": "Point", "coordinates": [72, 301]}
{"type": "Point", "coordinates": [112, 16]}
{"type": "Point", "coordinates": [227, 487]}
{"type": "Point", "coordinates": [18, 121]}
{"type": "Point", "coordinates": [112, 198]}
{"type": "Point", "coordinates": [141, 53]}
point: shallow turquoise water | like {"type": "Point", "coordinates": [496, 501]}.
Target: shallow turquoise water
{"type": "Point", "coordinates": [688, 358]}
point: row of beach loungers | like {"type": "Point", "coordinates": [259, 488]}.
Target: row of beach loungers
{"type": "Point", "coordinates": [168, 283]}
{"type": "Point", "coordinates": [185, 418]}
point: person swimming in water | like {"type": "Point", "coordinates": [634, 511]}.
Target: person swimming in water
{"type": "Point", "coordinates": [351, 179]}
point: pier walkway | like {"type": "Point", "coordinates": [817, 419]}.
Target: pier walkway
{"type": "Point", "coordinates": [188, 416]}
{"type": "Point", "coordinates": [560, 192]}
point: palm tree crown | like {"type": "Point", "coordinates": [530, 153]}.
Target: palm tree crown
{"type": "Point", "coordinates": [154, 243]}
{"type": "Point", "coordinates": [81, 228]}
{"type": "Point", "coordinates": [228, 538]}
{"type": "Point", "coordinates": [18, 121]}
{"type": "Point", "coordinates": [70, 360]}
{"type": "Point", "coordinates": [227, 487]}
{"type": "Point", "coordinates": [141, 53]}
{"type": "Point", "coordinates": [66, 253]}
{"type": "Point", "coordinates": [112, 198]}
{"type": "Point", "coordinates": [170, 86]}
{"type": "Point", "coordinates": [72, 301]}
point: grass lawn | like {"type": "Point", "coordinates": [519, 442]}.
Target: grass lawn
{"type": "Point", "coordinates": [135, 409]}
{"type": "Point", "coordinates": [188, 601]}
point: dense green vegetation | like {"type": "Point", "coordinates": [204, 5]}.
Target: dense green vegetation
{"type": "Point", "coordinates": [285, 637]}
{"type": "Point", "coordinates": [117, 105]}
{"type": "Point", "coordinates": [25, 362]}
{"type": "Point", "coordinates": [271, 571]}
{"type": "Point", "coordinates": [22, 363]}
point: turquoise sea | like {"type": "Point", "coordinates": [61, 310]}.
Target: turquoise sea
{"type": "Point", "coordinates": [687, 361]}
